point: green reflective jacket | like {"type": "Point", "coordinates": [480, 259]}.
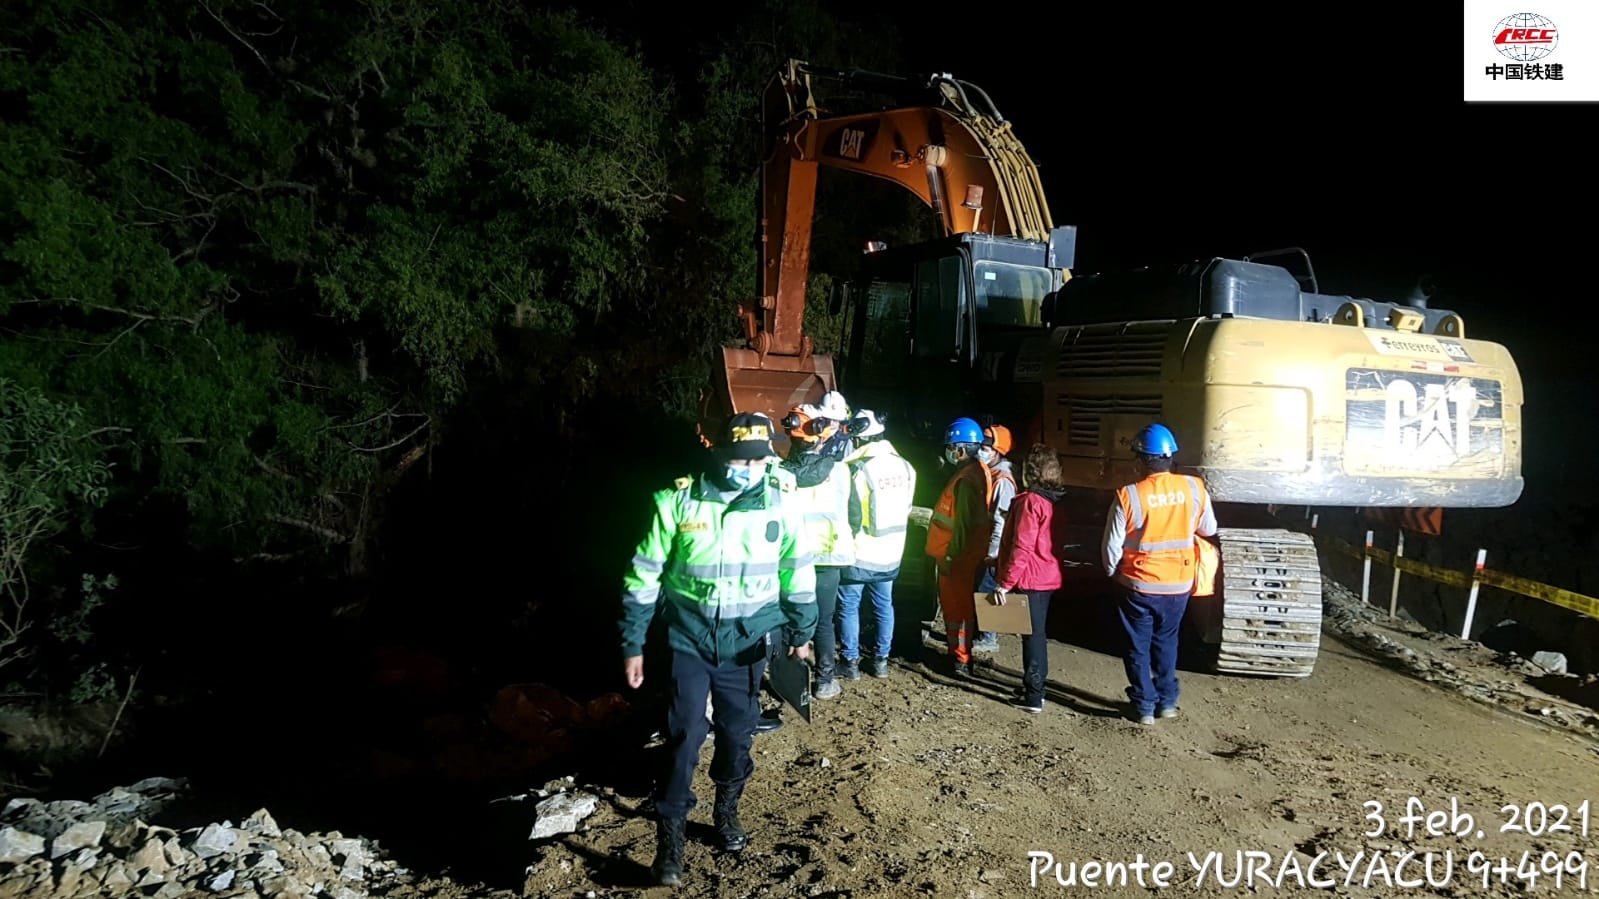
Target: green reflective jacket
{"type": "Point", "coordinates": [721, 574]}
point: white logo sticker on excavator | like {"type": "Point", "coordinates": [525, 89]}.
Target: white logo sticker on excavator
{"type": "Point", "coordinates": [851, 142]}
{"type": "Point", "coordinates": [1416, 346]}
{"type": "Point", "coordinates": [1421, 420]}
{"type": "Point", "coordinates": [1414, 415]}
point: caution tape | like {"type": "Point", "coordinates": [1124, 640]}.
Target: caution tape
{"type": "Point", "coordinates": [1576, 602]}
{"type": "Point", "coordinates": [1586, 605]}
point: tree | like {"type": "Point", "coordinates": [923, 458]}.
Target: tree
{"type": "Point", "coordinates": [50, 470]}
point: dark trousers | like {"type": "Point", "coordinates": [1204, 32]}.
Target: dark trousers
{"type": "Point", "coordinates": [1151, 622]}
{"type": "Point", "coordinates": [734, 689]}
{"type": "Point", "coordinates": [827, 577]}
{"type": "Point", "coordinates": [1035, 646]}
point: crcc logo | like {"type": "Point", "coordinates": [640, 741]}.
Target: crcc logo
{"type": "Point", "coordinates": [1525, 36]}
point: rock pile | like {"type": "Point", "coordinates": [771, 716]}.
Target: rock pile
{"type": "Point", "coordinates": [108, 848]}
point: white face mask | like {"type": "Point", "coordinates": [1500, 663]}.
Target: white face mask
{"type": "Point", "coordinates": [742, 477]}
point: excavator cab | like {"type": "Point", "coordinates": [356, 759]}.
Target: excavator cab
{"type": "Point", "coordinates": [938, 329]}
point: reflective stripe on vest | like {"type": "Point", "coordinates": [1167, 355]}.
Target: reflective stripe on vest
{"type": "Point", "coordinates": [1162, 513]}
{"type": "Point", "coordinates": [886, 485]}
{"type": "Point", "coordinates": [712, 555]}
{"type": "Point", "coordinates": [826, 508]}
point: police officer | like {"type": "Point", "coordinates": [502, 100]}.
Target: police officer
{"type": "Point", "coordinates": [1149, 551]}
{"type": "Point", "coordinates": [723, 562]}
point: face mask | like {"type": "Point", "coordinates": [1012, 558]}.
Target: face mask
{"type": "Point", "coordinates": [949, 456]}
{"type": "Point", "coordinates": [742, 476]}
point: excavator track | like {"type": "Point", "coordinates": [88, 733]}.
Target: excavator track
{"type": "Point", "coordinates": [1270, 587]}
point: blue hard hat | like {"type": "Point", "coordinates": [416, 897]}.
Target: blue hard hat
{"type": "Point", "coordinates": [963, 430]}
{"type": "Point", "coordinates": [1155, 440]}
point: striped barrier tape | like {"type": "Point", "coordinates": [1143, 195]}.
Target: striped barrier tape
{"type": "Point", "coordinates": [1576, 602]}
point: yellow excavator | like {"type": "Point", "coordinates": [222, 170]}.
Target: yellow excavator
{"type": "Point", "coordinates": [1277, 394]}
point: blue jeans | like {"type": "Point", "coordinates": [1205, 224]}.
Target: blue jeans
{"type": "Point", "coordinates": [1150, 654]}
{"type": "Point", "coordinates": [849, 623]}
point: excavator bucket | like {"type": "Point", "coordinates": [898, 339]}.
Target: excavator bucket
{"type": "Point", "coordinates": [749, 382]}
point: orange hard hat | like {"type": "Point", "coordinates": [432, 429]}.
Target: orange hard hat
{"type": "Point", "coordinates": [998, 436]}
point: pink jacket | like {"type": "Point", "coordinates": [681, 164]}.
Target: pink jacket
{"type": "Point", "coordinates": [1029, 552]}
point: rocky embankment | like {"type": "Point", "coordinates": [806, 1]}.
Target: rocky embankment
{"type": "Point", "coordinates": [109, 846]}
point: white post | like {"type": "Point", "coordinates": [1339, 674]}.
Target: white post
{"type": "Point", "coordinates": [1314, 519]}
{"type": "Point", "coordinates": [1399, 553]}
{"type": "Point", "coordinates": [1365, 576]}
{"type": "Point", "coordinates": [1471, 600]}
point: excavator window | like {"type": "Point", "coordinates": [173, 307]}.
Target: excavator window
{"type": "Point", "coordinates": [940, 303]}
{"type": "Point", "coordinates": [884, 333]}
{"type": "Point", "coordinates": [1010, 294]}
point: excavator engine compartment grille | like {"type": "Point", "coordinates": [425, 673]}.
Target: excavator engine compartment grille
{"type": "Point", "coordinates": [1085, 415]}
{"type": "Point", "coordinates": [1112, 353]}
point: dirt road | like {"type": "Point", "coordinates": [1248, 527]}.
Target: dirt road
{"type": "Point", "coordinates": [919, 786]}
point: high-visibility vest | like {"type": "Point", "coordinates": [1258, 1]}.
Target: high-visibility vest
{"type": "Point", "coordinates": [723, 573]}
{"type": "Point", "coordinates": [826, 508]}
{"type": "Point", "coordinates": [1161, 514]}
{"type": "Point", "coordinates": [886, 486]}
{"type": "Point", "coordinates": [995, 475]}
{"type": "Point", "coordinates": [785, 478]}
{"type": "Point", "coordinates": [941, 526]}
{"type": "Point", "coordinates": [1000, 473]}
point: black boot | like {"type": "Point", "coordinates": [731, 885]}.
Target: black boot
{"type": "Point", "coordinates": [770, 720]}
{"type": "Point", "coordinates": [726, 818]}
{"type": "Point", "coordinates": [668, 867]}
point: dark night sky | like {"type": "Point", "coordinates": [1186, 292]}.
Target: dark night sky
{"type": "Point", "coordinates": [1162, 140]}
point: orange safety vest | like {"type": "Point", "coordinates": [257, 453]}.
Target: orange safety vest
{"type": "Point", "coordinates": [1161, 514]}
{"type": "Point", "coordinates": [993, 479]}
{"type": "Point", "coordinates": [941, 526]}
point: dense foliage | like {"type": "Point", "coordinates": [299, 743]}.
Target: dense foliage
{"type": "Point", "coordinates": [259, 259]}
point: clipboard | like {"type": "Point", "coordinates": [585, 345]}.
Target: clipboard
{"type": "Point", "coordinates": [1014, 617]}
{"type": "Point", "coordinates": [791, 679]}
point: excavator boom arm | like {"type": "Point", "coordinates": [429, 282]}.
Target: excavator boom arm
{"type": "Point", "coordinates": [959, 158]}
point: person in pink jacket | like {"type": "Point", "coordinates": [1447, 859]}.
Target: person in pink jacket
{"type": "Point", "coordinates": [1030, 562]}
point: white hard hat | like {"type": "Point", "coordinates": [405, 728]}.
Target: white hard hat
{"type": "Point", "coordinates": [834, 407]}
